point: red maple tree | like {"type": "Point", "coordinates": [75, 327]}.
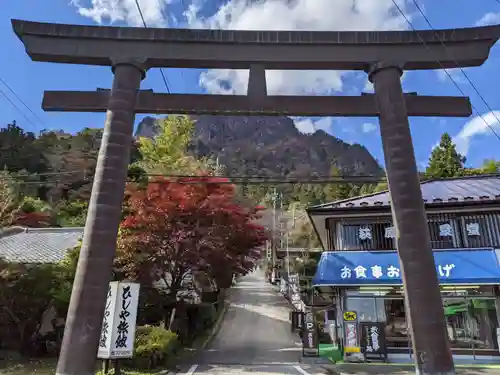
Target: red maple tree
{"type": "Point", "coordinates": [175, 228]}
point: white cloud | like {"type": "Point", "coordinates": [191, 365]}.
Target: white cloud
{"type": "Point", "coordinates": [225, 81]}
{"type": "Point", "coordinates": [474, 127]}
{"type": "Point", "coordinates": [113, 11]}
{"type": "Point", "coordinates": [309, 125]}
{"type": "Point", "coordinates": [261, 15]}
{"type": "Point", "coordinates": [489, 19]}
{"type": "Point", "coordinates": [455, 74]}
{"type": "Point", "coordinates": [368, 87]}
{"type": "Point", "coordinates": [319, 15]}
{"type": "Point", "coordinates": [368, 127]}
{"type": "Point", "coordinates": [297, 15]}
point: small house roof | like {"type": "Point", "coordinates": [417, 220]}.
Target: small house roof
{"type": "Point", "coordinates": [462, 189]}
{"type": "Point", "coordinates": [45, 245]}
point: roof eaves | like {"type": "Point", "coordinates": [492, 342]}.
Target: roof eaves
{"type": "Point", "coordinates": [428, 205]}
{"type": "Point", "coordinates": [55, 230]}
{"type": "Point", "coordinates": [10, 231]}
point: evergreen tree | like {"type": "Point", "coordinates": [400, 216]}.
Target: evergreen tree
{"type": "Point", "coordinates": [445, 161]}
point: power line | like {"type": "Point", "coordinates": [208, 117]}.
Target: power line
{"type": "Point", "coordinates": [166, 18]}
{"type": "Point", "coordinates": [56, 178]}
{"type": "Point", "coordinates": [461, 69]}
{"type": "Point", "coordinates": [16, 107]}
{"type": "Point", "coordinates": [20, 100]}
{"type": "Point", "coordinates": [171, 175]}
{"type": "Point", "coordinates": [165, 81]}
{"type": "Point", "coordinates": [219, 181]}
{"type": "Point", "coordinates": [439, 62]}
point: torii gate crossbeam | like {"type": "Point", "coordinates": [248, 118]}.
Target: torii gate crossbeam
{"type": "Point", "coordinates": [383, 55]}
{"type": "Point", "coordinates": [242, 105]}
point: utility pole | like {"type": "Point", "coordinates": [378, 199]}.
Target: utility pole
{"type": "Point", "coordinates": [273, 238]}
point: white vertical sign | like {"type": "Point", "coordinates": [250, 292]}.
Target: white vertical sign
{"type": "Point", "coordinates": [118, 326]}
{"type": "Point", "coordinates": [107, 321]}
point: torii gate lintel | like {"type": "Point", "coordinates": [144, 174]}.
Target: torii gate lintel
{"type": "Point", "coordinates": [149, 102]}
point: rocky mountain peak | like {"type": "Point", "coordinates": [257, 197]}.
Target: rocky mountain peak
{"type": "Point", "coordinates": [271, 146]}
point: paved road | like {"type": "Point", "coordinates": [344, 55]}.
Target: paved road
{"type": "Point", "coordinates": [255, 336]}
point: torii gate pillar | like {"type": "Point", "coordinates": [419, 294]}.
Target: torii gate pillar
{"type": "Point", "coordinates": [423, 300]}
{"type": "Point", "coordinates": [88, 297]}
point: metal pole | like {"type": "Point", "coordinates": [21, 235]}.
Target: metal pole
{"type": "Point", "coordinates": [273, 243]}
{"type": "Point", "coordinates": [86, 309]}
{"type": "Point", "coordinates": [421, 285]}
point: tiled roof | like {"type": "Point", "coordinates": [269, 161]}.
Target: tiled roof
{"type": "Point", "coordinates": [435, 191]}
{"type": "Point", "coordinates": [47, 245]}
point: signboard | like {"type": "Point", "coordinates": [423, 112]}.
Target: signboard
{"type": "Point", "coordinates": [350, 316]}
{"type": "Point", "coordinates": [373, 339]}
{"type": "Point", "coordinates": [351, 337]}
{"type": "Point", "coordinates": [310, 336]}
{"type": "Point", "coordinates": [118, 324]}
{"type": "Point", "coordinates": [297, 320]}
{"type": "Point", "coordinates": [455, 267]}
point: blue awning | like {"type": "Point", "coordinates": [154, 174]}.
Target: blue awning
{"type": "Point", "coordinates": [455, 267]}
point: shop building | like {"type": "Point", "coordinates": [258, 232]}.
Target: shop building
{"type": "Point", "coordinates": [360, 267]}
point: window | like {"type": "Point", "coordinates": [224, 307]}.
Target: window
{"type": "Point", "coordinates": [388, 311]}
{"type": "Point", "coordinates": [471, 323]}
{"type": "Point", "coordinates": [396, 326]}
{"type": "Point", "coordinates": [368, 309]}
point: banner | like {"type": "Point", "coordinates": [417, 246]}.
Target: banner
{"type": "Point", "coordinates": [373, 341]}
{"type": "Point", "coordinates": [310, 336]}
{"type": "Point", "coordinates": [118, 324]}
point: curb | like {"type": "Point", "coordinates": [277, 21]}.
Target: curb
{"type": "Point", "coordinates": [214, 330]}
{"type": "Point", "coordinates": [330, 369]}
{"type": "Point", "coordinates": [217, 324]}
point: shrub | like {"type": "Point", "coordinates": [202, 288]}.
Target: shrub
{"type": "Point", "coordinates": [25, 295]}
{"type": "Point", "coordinates": [154, 347]}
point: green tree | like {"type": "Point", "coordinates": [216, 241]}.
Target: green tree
{"type": "Point", "coordinates": [445, 161]}
{"type": "Point", "coordinates": [490, 166]}
{"type": "Point", "coordinates": [381, 186]}
{"type": "Point", "coordinates": [72, 213]}
{"type": "Point", "coordinates": [25, 295]}
{"type": "Point", "coordinates": [167, 152]}
{"type": "Point", "coordinates": [20, 151]}
{"type": "Point", "coordinates": [345, 190]}
{"type": "Point", "coordinates": [8, 200]}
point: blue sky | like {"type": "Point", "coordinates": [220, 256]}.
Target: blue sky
{"type": "Point", "coordinates": [29, 79]}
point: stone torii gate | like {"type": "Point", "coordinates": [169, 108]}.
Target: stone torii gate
{"type": "Point", "coordinates": [132, 51]}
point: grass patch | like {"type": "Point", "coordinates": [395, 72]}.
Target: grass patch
{"type": "Point", "coordinates": [28, 367]}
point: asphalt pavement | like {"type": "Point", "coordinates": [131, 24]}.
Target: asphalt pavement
{"type": "Point", "coordinates": [255, 335]}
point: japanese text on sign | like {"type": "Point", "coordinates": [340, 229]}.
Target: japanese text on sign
{"type": "Point", "coordinates": [445, 230]}
{"type": "Point", "coordinates": [392, 272]}
{"type": "Point", "coordinates": [118, 326]}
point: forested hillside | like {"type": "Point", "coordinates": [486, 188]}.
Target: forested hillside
{"type": "Point", "coordinates": [49, 176]}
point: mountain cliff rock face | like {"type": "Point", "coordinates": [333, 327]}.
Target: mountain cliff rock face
{"type": "Point", "coordinates": [271, 146]}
